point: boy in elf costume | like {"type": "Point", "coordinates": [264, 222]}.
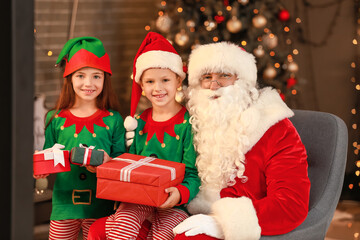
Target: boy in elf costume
{"type": "Point", "coordinates": [162, 131]}
{"type": "Point", "coordinates": [85, 113]}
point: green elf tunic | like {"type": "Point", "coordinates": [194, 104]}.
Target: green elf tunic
{"type": "Point", "coordinates": [74, 192]}
{"type": "Point", "coordinates": [170, 140]}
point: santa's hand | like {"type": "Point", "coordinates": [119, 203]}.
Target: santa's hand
{"type": "Point", "coordinates": [129, 136]}
{"type": "Point", "coordinates": [200, 224]}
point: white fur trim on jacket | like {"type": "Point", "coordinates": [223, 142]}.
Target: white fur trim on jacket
{"type": "Point", "coordinates": [268, 110]}
{"type": "Point", "coordinates": [237, 218]}
{"type": "Point", "coordinates": [222, 57]}
{"type": "Point", "coordinates": [159, 59]}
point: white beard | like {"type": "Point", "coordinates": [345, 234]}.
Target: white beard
{"type": "Point", "coordinates": [220, 132]}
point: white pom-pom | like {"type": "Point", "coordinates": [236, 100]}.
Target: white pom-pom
{"type": "Point", "coordinates": [130, 123]}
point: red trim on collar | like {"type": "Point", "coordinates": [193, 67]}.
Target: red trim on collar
{"type": "Point", "coordinates": [159, 128]}
{"type": "Point", "coordinates": [80, 122]}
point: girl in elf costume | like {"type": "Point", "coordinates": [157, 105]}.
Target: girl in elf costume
{"type": "Point", "coordinates": [86, 113]}
{"type": "Point", "coordinates": [162, 131]}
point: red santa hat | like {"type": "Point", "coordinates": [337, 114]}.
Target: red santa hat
{"type": "Point", "coordinates": [221, 57]}
{"type": "Point", "coordinates": [154, 52]}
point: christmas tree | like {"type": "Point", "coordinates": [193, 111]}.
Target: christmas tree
{"type": "Point", "coordinates": [260, 27]}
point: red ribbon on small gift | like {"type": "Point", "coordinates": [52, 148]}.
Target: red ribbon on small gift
{"type": "Point", "coordinates": [87, 154]}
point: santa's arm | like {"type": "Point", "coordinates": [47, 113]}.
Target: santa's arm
{"type": "Point", "coordinates": [286, 203]}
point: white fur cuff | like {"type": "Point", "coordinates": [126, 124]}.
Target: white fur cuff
{"type": "Point", "coordinates": [237, 217]}
{"type": "Point", "coordinates": [130, 123]}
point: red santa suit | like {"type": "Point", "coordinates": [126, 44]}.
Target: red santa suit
{"type": "Point", "coordinates": [276, 192]}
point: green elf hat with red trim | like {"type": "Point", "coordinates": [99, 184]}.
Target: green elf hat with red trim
{"type": "Point", "coordinates": [84, 52]}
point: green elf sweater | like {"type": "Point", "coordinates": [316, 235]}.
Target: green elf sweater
{"type": "Point", "coordinates": [170, 140]}
{"type": "Point", "coordinates": [74, 192]}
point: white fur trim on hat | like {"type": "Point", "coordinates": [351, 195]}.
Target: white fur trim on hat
{"type": "Point", "coordinates": [237, 218]}
{"type": "Point", "coordinates": [159, 59]}
{"type": "Point", "coordinates": [222, 57]}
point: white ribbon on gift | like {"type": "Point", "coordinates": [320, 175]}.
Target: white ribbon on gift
{"type": "Point", "coordinates": [125, 172]}
{"type": "Point", "coordinates": [87, 149]}
{"type": "Point", "coordinates": [54, 153]}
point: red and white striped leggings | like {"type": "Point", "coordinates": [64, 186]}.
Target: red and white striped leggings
{"type": "Point", "coordinates": [127, 221]}
{"type": "Point", "coordinates": [69, 229]}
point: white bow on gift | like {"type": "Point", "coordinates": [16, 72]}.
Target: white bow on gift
{"type": "Point", "coordinates": [54, 153]}
{"type": "Point", "coordinates": [86, 160]}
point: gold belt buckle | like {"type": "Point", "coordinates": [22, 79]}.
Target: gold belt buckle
{"type": "Point", "coordinates": [81, 196]}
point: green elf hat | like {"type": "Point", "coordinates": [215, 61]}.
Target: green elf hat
{"type": "Point", "coordinates": [84, 52]}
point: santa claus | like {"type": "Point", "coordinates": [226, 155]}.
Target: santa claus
{"type": "Point", "coordinates": [252, 163]}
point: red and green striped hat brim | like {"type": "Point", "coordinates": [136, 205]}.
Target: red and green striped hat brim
{"type": "Point", "coordinates": [84, 52]}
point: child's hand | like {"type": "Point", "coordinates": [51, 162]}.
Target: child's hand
{"type": "Point", "coordinates": [107, 158]}
{"type": "Point", "coordinates": [173, 199]}
{"type": "Point", "coordinates": [91, 169]}
{"type": "Point", "coordinates": [40, 176]}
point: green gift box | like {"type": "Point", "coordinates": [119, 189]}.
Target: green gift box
{"type": "Point", "coordinates": [86, 156]}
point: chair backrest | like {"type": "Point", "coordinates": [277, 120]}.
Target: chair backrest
{"type": "Point", "coordinates": [325, 138]}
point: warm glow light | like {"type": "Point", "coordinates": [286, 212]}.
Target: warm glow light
{"type": "Point", "coordinates": [357, 87]}
{"type": "Point", "coordinates": [50, 53]}
{"type": "Point", "coordinates": [266, 30]}
{"type": "Point", "coordinates": [358, 164]}
{"type": "Point", "coordinates": [243, 43]}
{"type": "Point", "coordinates": [192, 29]}
{"type": "Point", "coordinates": [354, 41]}
{"type": "Point", "coordinates": [353, 65]}
{"type": "Point", "coordinates": [351, 186]}
{"type": "Point", "coordinates": [163, 3]}
{"type": "Point", "coordinates": [356, 235]}
{"type": "Point", "coordinates": [202, 9]}
{"type": "Point", "coordinates": [215, 39]}
{"type": "Point", "coordinates": [272, 53]}
{"type": "Point", "coordinates": [228, 8]}
{"type": "Point", "coordinates": [295, 52]}
{"type": "Point", "coordinates": [147, 27]}
{"type": "Point", "coordinates": [286, 29]}
{"type": "Point", "coordinates": [34, 30]}
{"type": "Point", "coordinates": [294, 92]}
{"type": "Point", "coordinates": [277, 65]}
{"type": "Point", "coordinates": [355, 144]}
{"type": "Point", "coordinates": [220, 13]}
{"type": "Point", "coordinates": [289, 57]}
{"type": "Point", "coordinates": [353, 111]}
{"type": "Point", "coordinates": [349, 225]}
{"type": "Point", "coordinates": [298, 20]}
{"type": "Point", "coordinates": [352, 79]}
{"type": "Point", "coordinates": [180, 9]}
{"type": "Point", "coordinates": [354, 126]}
{"type": "Point", "coordinates": [271, 35]}
{"type": "Point", "coordinates": [356, 151]}
{"type": "Point", "coordinates": [259, 39]}
{"type": "Point", "coordinates": [161, 13]}
{"type": "Point", "coordinates": [256, 11]}
{"type": "Point", "coordinates": [357, 173]}
{"type": "Point", "coordinates": [288, 41]}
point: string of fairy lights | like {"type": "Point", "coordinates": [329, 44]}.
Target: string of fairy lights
{"type": "Point", "coordinates": [354, 65]}
{"type": "Point", "coordinates": [261, 27]}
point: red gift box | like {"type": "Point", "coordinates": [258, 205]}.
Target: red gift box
{"type": "Point", "coordinates": [52, 160]}
{"type": "Point", "coordinates": [138, 179]}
